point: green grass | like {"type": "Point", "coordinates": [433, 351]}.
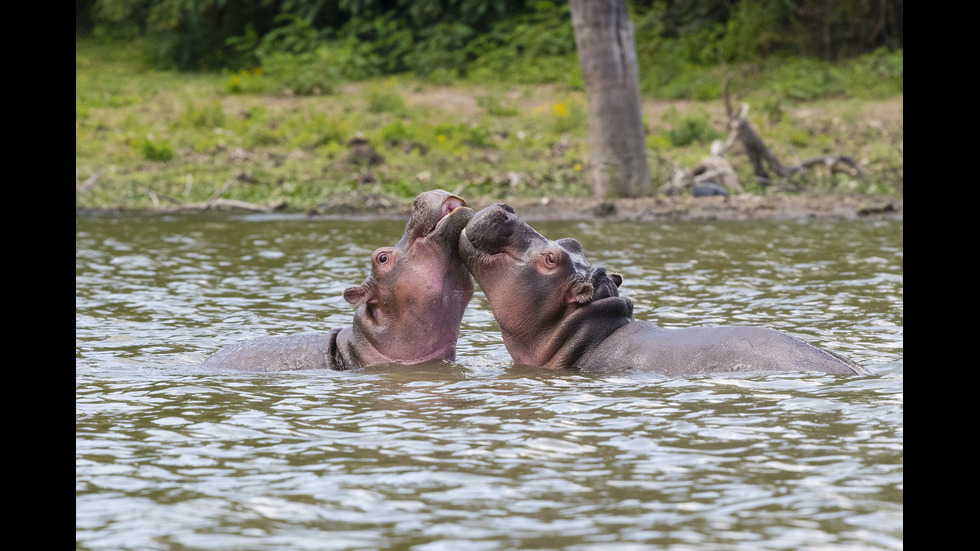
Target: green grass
{"type": "Point", "coordinates": [146, 138]}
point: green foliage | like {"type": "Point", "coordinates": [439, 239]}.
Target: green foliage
{"type": "Point", "coordinates": [691, 128]}
{"type": "Point", "coordinates": [806, 79]}
{"type": "Point", "coordinates": [381, 99]}
{"type": "Point", "coordinates": [688, 82]}
{"type": "Point", "coordinates": [752, 31]}
{"type": "Point", "coordinates": [376, 45]}
{"type": "Point", "coordinates": [209, 116]}
{"type": "Point", "coordinates": [568, 116]}
{"type": "Point", "coordinates": [442, 47]}
{"type": "Point", "coordinates": [658, 142]}
{"type": "Point", "coordinates": [397, 133]}
{"type": "Point", "coordinates": [880, 74]}
{"type": "Point", "coordinates": [325, 130]}
{"type": "Point", "coordinates": [535, 47]}
{"type": "Point", "coordinates": [293, 35]}
{"type": "Point", "coordinates": [262, 136]}
{"type": "Point", "coordinates": [251, 81]}
{"type": "Point", "coordinates": [154, 149]}
{"type": "Point", "coordinates": [298, 148]}
{"type": "Point", "coordinates": [453, 135]}
{"type": "Point", "coordinates": [310, 73]}
{"type": "Point", "coordinates": [307, 45]}
{"type": "Point", "coordinates": [81, 110]}
{"type": "Point", "coordinates": [798, 137]}
{"type": "Point", "coordinates": [494, 107]}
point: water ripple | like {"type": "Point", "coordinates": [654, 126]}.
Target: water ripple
{"type": "Point", "coordinates": [481, 454]}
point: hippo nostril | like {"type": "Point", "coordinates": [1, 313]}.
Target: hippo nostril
{"type": "Point", "coordinates": [603, 284]}
{"type": "Point", "coordinates": [498, 213]}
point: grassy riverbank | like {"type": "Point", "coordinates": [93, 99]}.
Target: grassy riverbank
{"type": "Point", "coordinates": [146, 139]}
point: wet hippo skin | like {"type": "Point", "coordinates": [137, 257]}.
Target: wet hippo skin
{"type": "Point", "coordinates": [409, 308]}
{"type": "Point", "coordinates": [556, 310]}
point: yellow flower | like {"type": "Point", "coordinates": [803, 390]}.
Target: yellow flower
{"type": "Point", "coordinates": [560, 109]}
{"type": "Point", "coordinates": [577, 167]}
{"type": "Point", "coordinates": [441, 138]}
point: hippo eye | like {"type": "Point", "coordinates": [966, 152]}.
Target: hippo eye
{"type": "Point", "coordinates": [549, 257]}
{"type": "Point", "coordinates": [382, 258]}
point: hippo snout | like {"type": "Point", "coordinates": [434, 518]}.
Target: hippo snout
{"type": "Point", "coordinates": [494, 215]}
{"type": "Point", "coordinates": [604, 284]}
{"type": "Point", "coordinates": [493, 228]}
{"type": "Point", "coordinates": [505, 207]}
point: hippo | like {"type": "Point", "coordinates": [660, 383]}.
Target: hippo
{"type": "Point", "coordinates": [409, 308]}
{"type": "Point", "coordinates": [556, 311]}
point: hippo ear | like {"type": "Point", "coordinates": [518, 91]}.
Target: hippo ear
{"type": "Point", "coordinates": [581, 293]}
{"type": "Point", "coordinates": [570, 244]}
{"type": "Point", "coordinates": [617, 279]}
{"type": "Point", "coordinates": [357, 295]}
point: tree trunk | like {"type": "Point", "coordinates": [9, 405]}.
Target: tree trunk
{"type": "Point", "coordinates": [607, 54]}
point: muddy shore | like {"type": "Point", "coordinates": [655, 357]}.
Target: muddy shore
{"type": "Point", "coordinates": [739, 207]}
{"type": "Point", "coordinates": [736, 207]}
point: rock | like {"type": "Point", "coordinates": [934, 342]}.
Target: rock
{"type": "Point", "coordinates": [709, 189]}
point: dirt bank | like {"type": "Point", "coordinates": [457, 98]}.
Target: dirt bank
{"type": "Point", "coordinates": [739, 207]}
{"type": "Point", "coordinates": [736, 207]}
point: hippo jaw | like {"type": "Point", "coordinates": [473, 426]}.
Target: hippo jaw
{"type": "Point", "coordinates": [437, 219]}
{"type": "Point", "coordinates": [411, 306]}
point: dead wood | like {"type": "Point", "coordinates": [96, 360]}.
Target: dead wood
{"type": "Point", "coordinates": [766, 167]}
{"type": "Point", "coordinates": [765, 164]}
{"type": "Point", "coordinates": [713, 169]}
{"type": "Point", "coordinates": [216, 202]}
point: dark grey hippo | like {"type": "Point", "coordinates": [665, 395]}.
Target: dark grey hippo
{"type": "Point", "coordinates": [408, 310]}
{"type": "Point", "coordinates": [557, 311]}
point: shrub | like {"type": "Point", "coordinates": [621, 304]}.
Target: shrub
{"type": "Point", "coordinates": [492, 105]}
{"type": "Point", "coordinates": [568, 116]}
{"type": "Point", "coordinates": [306, 74]}
{"type": "Point", "coordinates": [209, 116]}
{"type": "Point", "coordinates": [396, 133]}
{"type": "Point", "coordinates": [155, 150]}
{"type": "Point", "coordinates": [695, 127]}
{"type": "Point", "coordinates": [382, 100]}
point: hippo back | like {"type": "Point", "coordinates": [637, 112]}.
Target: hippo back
{"type": "Point", "coordinates": [643, 346]}
{"type": "Point", "coordinates": [279, 353]}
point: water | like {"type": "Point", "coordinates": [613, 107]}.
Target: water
{"type": "Point", "coordinates": [480, 454]}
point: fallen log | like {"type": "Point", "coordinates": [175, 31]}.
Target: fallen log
{"type": "Point", "coordinates": [218, 204]}
{"type": "Point", "coordinates": [215, 202]}
{"type": "Point", "coordinates": [717, 174]}
{"type": "Point", "coordinates": [764, 163]}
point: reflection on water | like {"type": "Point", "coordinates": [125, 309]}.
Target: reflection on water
{"type": "Point", "coordinates": [480, 454]}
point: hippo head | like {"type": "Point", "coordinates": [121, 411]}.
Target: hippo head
{"type": "Point", "coordinates": [411, 306]}
{"type": "Point", "coordinates": [533, 284]}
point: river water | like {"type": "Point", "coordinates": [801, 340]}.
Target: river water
{"type": "Point", "coordinates": [480, 454]}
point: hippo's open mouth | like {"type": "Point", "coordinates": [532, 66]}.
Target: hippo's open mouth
{"type": "Point", "coordinates": [438, 218]}
{"type": "Point", "coordinates": [449, 206]}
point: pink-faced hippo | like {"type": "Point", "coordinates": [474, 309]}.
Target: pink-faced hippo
{"type": "Point", "coordinates": [555, 310]}
{"type": "Point", "coordinates": [408, 310]}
